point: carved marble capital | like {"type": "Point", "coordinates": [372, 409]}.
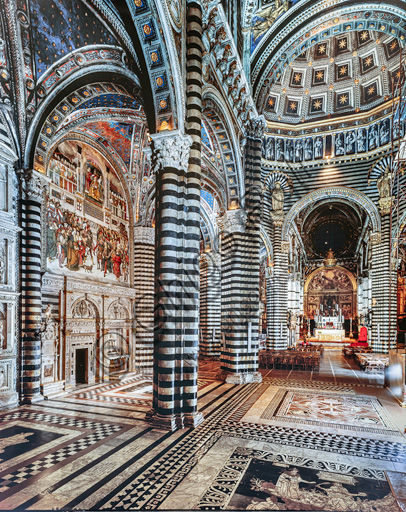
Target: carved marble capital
{"type": "Point", "coordinates": [233, 221]}
{"type": "Point", "coordinates": [285, 247]}
{"type": "Point", "coordinates": [256, 127]}
{"type": "Point", "coordinates": [213, 259]}
{"type": "Point", "coordinates": [171, 149]}
{"type": "Point", "coordinates": [277, 217]}
{"type": "Point", "coordinates": [144, 235]}
{"type": "Point", "coordinates": [375, 238]}
{"type": "Point", "coordinates": [34, 184]}
{"type": "Point", "coordinates": [385, 204]}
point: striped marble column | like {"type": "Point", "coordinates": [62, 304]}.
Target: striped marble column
{"type": "Point", "coordinates": [177, 240]}
{"type": "Point", "coordinates": [144, 284]}
{"type": "Point", "coordinates": [240, 272]}
{"type": "Point", "coordinates": [33, 195]}
{"type": "Point", "coordinates": [210, 304]}
{"type": "Point", "coordinates": [384, 293]}
{"type": "Point", "coordinates": [277, 293]}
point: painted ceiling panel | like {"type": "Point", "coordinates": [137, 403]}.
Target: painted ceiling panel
{"type": "Point", "coordinates": [208, 198]}
{"type": "Point", "coordinates": [62, 26]}
{"type": "Point", "coordinates": [111, 101]}
{"type": "Point", "coordinates": [118, 135]}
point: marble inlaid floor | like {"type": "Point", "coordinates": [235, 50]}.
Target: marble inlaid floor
{"type": "Point", "coordinates": [339, 447]}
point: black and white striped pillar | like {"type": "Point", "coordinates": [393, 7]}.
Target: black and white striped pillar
{"type": "Point", "coordinates": [144, 284]}
{"type": "Point", "coordinates": [240, 271]}
{"type": "Point", "coordinates": [177, 159]}
{"type": "Point", "coordinates": [210, 304]}
{"type": "Point", "coordinates": [33, 195]}
{"type": "Point", "coordinates": [277, 292]}
{"type": "Point", "coordinates": [384, 292]}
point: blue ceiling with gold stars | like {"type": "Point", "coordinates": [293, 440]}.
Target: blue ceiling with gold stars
{"type": "Point", "coordinates": [110, 101]}
{"type": "Point", "coordinates": [59, 29]}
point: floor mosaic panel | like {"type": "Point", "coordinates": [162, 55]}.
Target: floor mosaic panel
{"type": "Point", "coordinates": [354, 412]}
{"type": "Point", "coordinates": [260, 480]}
{"type": "Point", "coordinates": [98, 454]}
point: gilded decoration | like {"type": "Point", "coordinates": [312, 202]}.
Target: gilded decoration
{"type": "Point", "coordinates": [330, 288]}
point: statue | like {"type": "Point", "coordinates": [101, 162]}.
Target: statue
{"type": "Point", "coordinates": [277, 197]}
{"type": "Point", "coordinates": [279, 150]}
{"type": "Point", "coordinates": [299, 151]}
{"type": "Point", "coordinates": [373, 137]}
{"type": "Point", "coordinates": [3, 333]}
{"type": "Point", "coordinates": [384, 184]}
{"type": "Point", "coordinates": [289, 151]}
{"type": "Point", "coordinates": [330, 260]}
{"type": "Point", "coordinates": [270, 149]}
{"type": "Point", "coordinates": [350, 142]}
{"type": "Point", "coordinates": [339, 145]}
{"type": "Point", "coordinates": [308, 149]}
{"type": "Point", "coordinates": [318, 147]}
{"type": "Point", "coordinates": [384, 132]}
{"type": "Point", "coordinates": [361, 140]}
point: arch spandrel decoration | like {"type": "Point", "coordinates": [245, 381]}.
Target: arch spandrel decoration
{"type": "Point", "coordinates": [328, 286]}
{"type": "Point", "coordinates": [342, 193]}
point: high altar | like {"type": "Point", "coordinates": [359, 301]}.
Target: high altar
{"type": "Point", "coordinates": [330, 298]}
{"type": "Point", "coordinates": [330, 328]}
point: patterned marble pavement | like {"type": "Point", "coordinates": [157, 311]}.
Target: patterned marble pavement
{"type": "Point", "coordinates": [102, 458]}
{"type": "Point", "coordinates": [333, 410]}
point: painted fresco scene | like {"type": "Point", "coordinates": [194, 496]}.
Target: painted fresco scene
{"type": "Point", "coordinates": [86, 216]}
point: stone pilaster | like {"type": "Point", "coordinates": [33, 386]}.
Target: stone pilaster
{"type": "Point", "coordinates": [277, 291]}
{"type": "Point", "coordinates": [384, 290]}
{"type": "Point", "coordinates": [240, 271]}
{"type": "Point", "coordinates": [210, 304]}
{"type": "Point", "coordinates": [33, 185]}
{"type": "Point", "coordinates": [144, 283]}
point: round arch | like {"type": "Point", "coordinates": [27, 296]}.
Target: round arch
{"type": "Point", "coordinates": [349, 274]}
{"type": "Point", "coordinates": [218, 106]}
{"type": "Point", "coordinates": [345, 194]}
{"type": "Point", "coordinates": [84, 77]}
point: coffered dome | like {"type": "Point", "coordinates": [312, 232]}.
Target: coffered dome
{"type": "Point", "coordinates": [344, 74]}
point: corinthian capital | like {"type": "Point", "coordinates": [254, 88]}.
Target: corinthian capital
{"type": "Point", "coordinates": [233, 221]}
{"type": "Point", "coordinates": [256, 127]}
{"type": "Point", "coordinates": [171, 149]}
{"type": "Point", "coordinates": [33, 184]}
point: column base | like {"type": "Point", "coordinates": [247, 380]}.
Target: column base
{"type": "Point", "coordinates": [239, 378]}
{"type": "Point", "coordinates": [175, 421]}
{"type": "Point", "coordinates": [192, 420]}
{"type": "Point", "coordinates": [31, 399]}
